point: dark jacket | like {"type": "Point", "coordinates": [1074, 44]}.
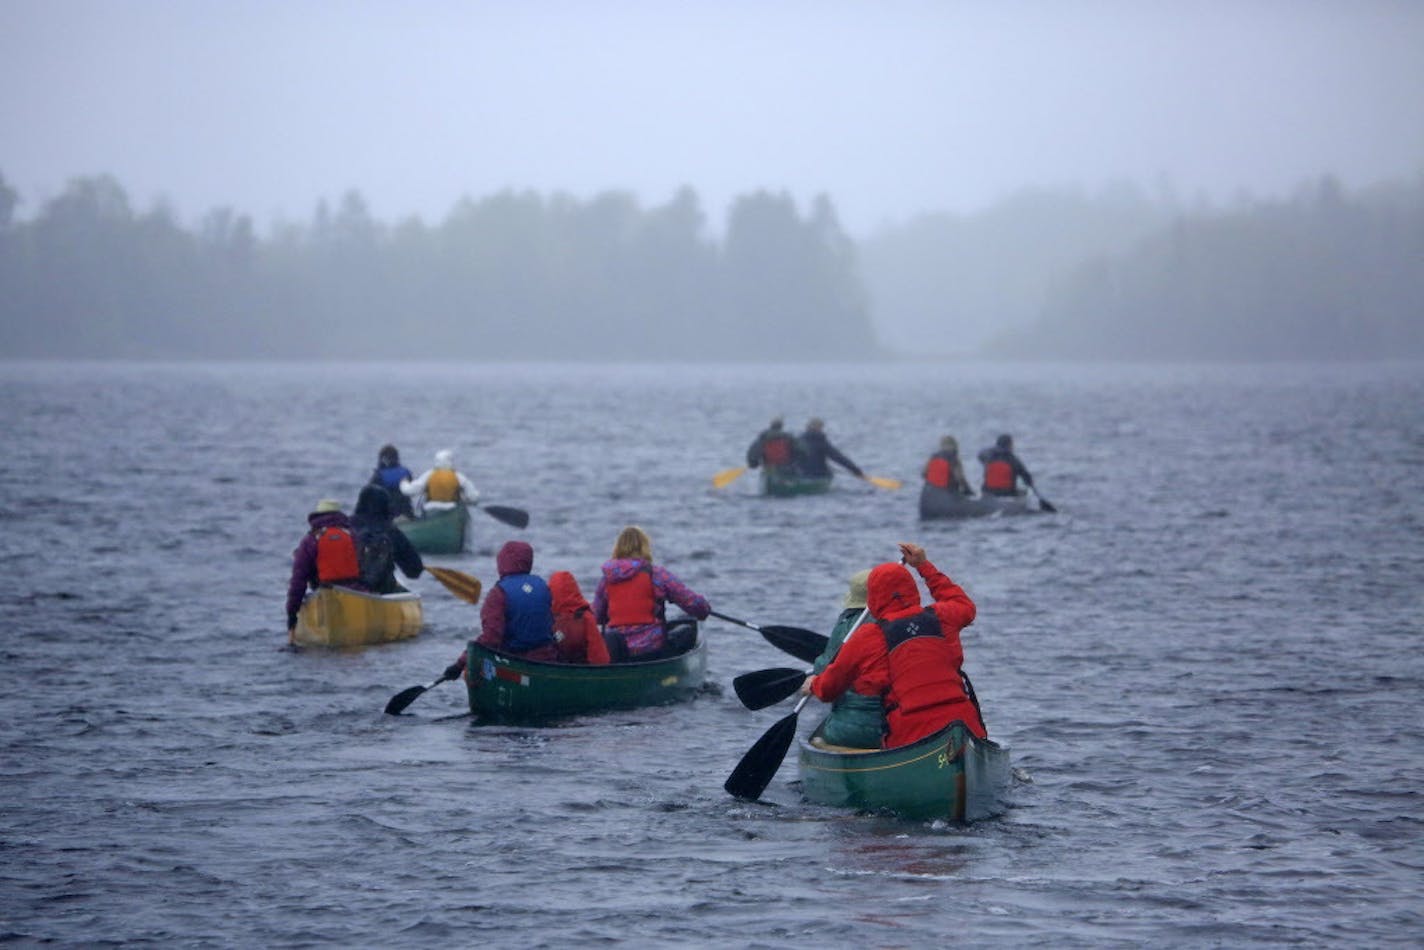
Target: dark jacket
{"type": "Point", "coordinates": [389, 477]}
{"type": "Point", "coordinates": [816, 449]}
{"type": "Point", "coordinates": [373, 515]}
{"type": "Point", "coordinates": [756, 452]}
{"type": "Point", "coordinates": [1000, 454]}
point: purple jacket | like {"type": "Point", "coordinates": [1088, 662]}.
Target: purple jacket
{"type": "Point", "coordinates": [304, 560]}
{"type": "Point", "coordinates": [645, 637]}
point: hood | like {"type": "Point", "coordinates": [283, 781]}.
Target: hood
{"type": "Point", "coordinates": [444, 459]}
{"type": "Point", "coordinates": [891, 592]}
{"type": "Point", "coordinates": [622, 568]}
{"type": "Point", "coordinates": [373, 504]}
{"type": "Point", "coordinates": [567, 596]}
{"type": "Point", "coordinates": [326, 519]}
{"type": "Point", "coordinates": [516, 557]}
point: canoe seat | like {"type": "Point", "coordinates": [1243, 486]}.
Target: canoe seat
{"type": "Point", "coordinates": [820, 743]}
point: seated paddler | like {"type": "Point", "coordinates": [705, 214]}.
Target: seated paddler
{"type": "Point", "coordinates": [517, 615]}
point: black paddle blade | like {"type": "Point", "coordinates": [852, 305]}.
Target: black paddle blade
{"type": "Point", "coordinates": [802, 644]}
{"type": "Point", "coordinates": [763, 688]}
{"type": "Point", "coordinates": [403, 699]}
{"type": "Point", "coordinates": [515, 517]}
{"type": "Point", "coordinates": [754, 773]}
{"type": "Point", "coordinates": [1044, 505]}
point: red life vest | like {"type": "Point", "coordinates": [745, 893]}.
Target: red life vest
{"type": "Point", "coordinates": [633, 602]}
{"type": "Point", "coordinates": [924, 671]}
{"type": "Point", "coordinates": [999, 476]}
{"type": "Point", "coordinates": [778, 450]}
{"type": "Point", "coordinates": [336, 559]}
{"type": "Point", "coordinates": [939, 471]}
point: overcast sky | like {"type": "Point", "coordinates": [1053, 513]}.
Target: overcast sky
{"type": "Point", "coordinates": [891, 107]}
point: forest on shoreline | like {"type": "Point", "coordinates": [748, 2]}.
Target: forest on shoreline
{"type": "Point", "coordinates": [1323, 273]}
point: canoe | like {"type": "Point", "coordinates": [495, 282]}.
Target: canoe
{"type": "Point", "coordinates": [341, 617]}
{"type": "Point", "coordinates": [951, 775]}
{"type": "Point", "coordinates": [784, 484]}
{"type": "Point", "coordinates": [936, 502]}
{"type": "Point", "coordinates": [508, 688]}
{"type": "Point", "coordinates": [437, 532]}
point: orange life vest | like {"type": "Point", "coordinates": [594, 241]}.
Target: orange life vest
{"type": "Point", "coordinates": [999, 476]}
{"type": "Point", "coordinates": [633, 602]}
{"type": "Point", "coordinates": [939, 471]}
{"type": "Point", "coordinates": [778, 450]}
{"type": "Point", "coordinates": [444, 485]}
{"type": "Point", "coordinates": [336, 559]}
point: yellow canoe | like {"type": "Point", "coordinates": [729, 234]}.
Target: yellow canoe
{"type": "Point", "coordinates": [341, 617]}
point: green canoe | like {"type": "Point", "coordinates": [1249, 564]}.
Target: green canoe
{"type": "Point", "coordinates": [782, 483]}
{"type": "Point", "coordinates": [938, 502]}
{"type": "Point", "coordinates": [508, 688]}
{"type": "Point", "coordinates": [437, 532]}
{"type": "Point", "coordinates": [951, 774]}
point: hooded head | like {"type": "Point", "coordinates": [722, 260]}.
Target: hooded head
{"type": "Point", "coordinates": [388, 457]}
{"type": "Point", "coordinates": [891, 591]}
{"type": "Point", "coordinates": [1004, 441]}
{"type": "Point", "coordinates": [777, 423]}
{"type": "Point", "coordinates": [515, 557]}
{"type": "Point", "coordinates": [948, 444]}
{"type": "Point", "coordinates": [444, 459]}
{"type": "Point", "coordinates": [816, 424]}
{"type": "Point", "coordinates": [565, 590]}
{"type": "Point", "coordinates": [855, 594]}
{"type": "Point", "coordinates": [373, 503]}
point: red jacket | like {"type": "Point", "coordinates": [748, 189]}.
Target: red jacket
{"type": "Point", "coordinates": [864, 663]}
{"type": "Point", "coordinates": [574, 627]}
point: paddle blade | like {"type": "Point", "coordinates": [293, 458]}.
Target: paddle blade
{"type": "Point", "coordinates": [880, 481]}
{"type": "Point", "coordinates": [403, 699]}
{"type": "Point", "coordinates": [754, 773]}
{"type": "Point", "coordinates": [463, 586]}
{"type": "Point", "coordinates": [1044, 505]}
{"type": "Point", "coordinates": [515, 517]}
{"type": "Point", "coordinates": [802, 644]}
{"type": "Point", "coordinates": [763, 688]}
{"type": "Point", "coordinates": [727, 476]}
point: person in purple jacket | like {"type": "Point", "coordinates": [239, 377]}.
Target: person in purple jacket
{"type": "Point", "coordinates": [631, 596]}
{"type": "Point", "coordinates": [325, 555]}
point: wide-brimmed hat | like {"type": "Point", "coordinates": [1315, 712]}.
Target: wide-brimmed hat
{"type": "Point", "coordinates": [855, 596]}
{"type": "Point", "coordinates": [325, 506]}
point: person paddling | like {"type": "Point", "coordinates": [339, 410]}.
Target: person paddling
{"type": "Point", "coordinates": [910, 655]}
{"type": "Point", "coordinates": [945, 470]}
{"type": "Point", "coordinates": [441, 487]}
{"type": "Point", "coordinates": [857, 718]}
{"type": "Point", "coordinates": [631, 600]}
{"type": "Point", "coordinates": [1003, 469]}
{"type": "Point", "coordinates": [817, 450]}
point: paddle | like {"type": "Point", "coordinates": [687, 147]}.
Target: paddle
{"type": "Point", "coordinates": [762, 688]}
{"type": "Point", "coordinates": [727, 476]}
{"type": "Point", "coordinates": [752, 775]}
{"type": "Point", "coordinates": [1043, 504]}
{"type": "Point", "coordinates": [880, 481]}
{"type": "Point", "coordinates": [803, 644]}
{"type": "Point", "coordinates": [515, 517]}
{"type": "Point", "coordinates": [463, 586]}
{"type": "Point", "coordinates": [407, 696]}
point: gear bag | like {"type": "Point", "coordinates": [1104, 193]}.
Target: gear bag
{"type": "Point", "coordinates": [376, 556]}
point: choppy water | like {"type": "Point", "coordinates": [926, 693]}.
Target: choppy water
{"type": "Point", "coordinates": [1208, 663]}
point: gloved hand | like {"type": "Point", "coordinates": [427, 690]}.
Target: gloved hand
{"type": "Point", "coordinates": [454, 670]}
{"type": "Point", "coordinates": [291, 622]}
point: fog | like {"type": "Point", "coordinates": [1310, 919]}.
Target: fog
{"type": "Point", "coordinates": [892, 111]}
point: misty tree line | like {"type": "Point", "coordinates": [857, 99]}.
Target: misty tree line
{"type": "Point", "coordinates": [1321, 275]}
{"type": "Point", "coordinates": [515, 275]}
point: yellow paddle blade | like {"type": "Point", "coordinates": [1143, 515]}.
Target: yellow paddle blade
{"type": "Point", "coordinates": [880, 481]}
{"type": "Point", "coordinates": [463, 586]}
{"type": "Point", "coordinates": [727, 476]}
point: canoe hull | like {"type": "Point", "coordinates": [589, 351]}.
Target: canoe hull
{"type": "Point", "coordinates": [789, 484]}
{"type": "Point", "coordinates": [507, 688]}
{"type": "Point", "coordinates": [339, 617]}
{"type": "Point", "coordinates": [941, 503]}
{"type": "Point", "coordinates": [437, 532]}
{"type": "Point", "coordinates": [950, 775]}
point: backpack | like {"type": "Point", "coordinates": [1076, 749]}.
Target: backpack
{"type": "Point", "coordinates": [376, 555]}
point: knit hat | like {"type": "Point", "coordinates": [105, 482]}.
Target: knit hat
{"type": "Point", "coordinates": [444, 459]}
{"type": "Point", "coordinates": [326, 505]}
{"type": "Point", "coordinates": [855, 596]}
{"type": "Point", "coordinates": [949, 444]}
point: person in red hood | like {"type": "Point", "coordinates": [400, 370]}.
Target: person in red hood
{"type": "Point", "coordinates": [574, 627]}
{"type": "Point", "coordinates": [908, 654]}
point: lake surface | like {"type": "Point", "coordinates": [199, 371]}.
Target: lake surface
{"type": "Point", "coordinates": [1207, 664]}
